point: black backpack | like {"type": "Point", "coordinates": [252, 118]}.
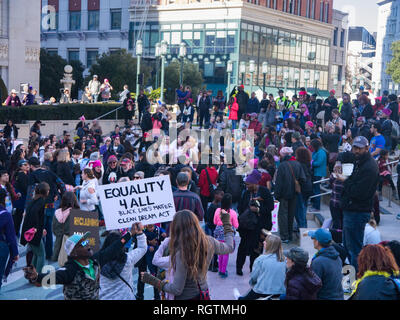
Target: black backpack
{"type": "Point", "coordinates": [248, 220]}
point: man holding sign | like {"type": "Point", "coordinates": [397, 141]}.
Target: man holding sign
{"type": "Point", "coordinates": [148, 201]}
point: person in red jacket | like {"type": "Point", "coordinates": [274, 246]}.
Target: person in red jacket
{"type": "Point", "coordinates": [205, 195]}
{"type": "Point", "coordinates": [254, 123]}
{"type": "Point", "coordinates": [233, 111]}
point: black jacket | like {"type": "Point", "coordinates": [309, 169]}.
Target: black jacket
{"type": "Point", "coordinates": [204, 104]}
{"type": "Point", "coordinates": [147, 169]}
{"type": "Point", "coordinates": [331, 141]}
{"type": "Point", "coordinates": [7, 131]}
{"type": "Point", "coordinates": [368, 112]}
{"type": "Point", "coordinates": [231, 183]}
{"type": "Point", "coordinates": [360, 187]}
{"type": "Point", "coordinates": [242, 99]}
{"type": "Point", "coordinates": [55, 183]}
{"type": "Point", "coordinates": [142, 102]}
{"type": "Point", "coordinates": [346, 113]}
{"type": "Point", "coordinates": [64, 173]}
{"type": "Point", "coordinates": [146, 123]}
{"type": "Point", "coordinates": [284, 184]}
{"type": "Point", "coordinates": [394, 106]}
{"type": "Point", "coordinates": [376, 288]}
{"type": "Point", "coordinates": [34, 218]}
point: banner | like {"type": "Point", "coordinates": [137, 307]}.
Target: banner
{"type": "Point", "coordinates": [147, 201]}
{"type": "Point", "coordinates": [84, 221]}
{"type": "Point", "coordinates": [274, 214]}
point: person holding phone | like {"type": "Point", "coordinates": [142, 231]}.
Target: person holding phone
{"type": "Point", "coordinates": [81, 273]}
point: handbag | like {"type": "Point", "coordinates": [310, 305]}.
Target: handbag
{"type": "Point", "coordinates": [29, 234]}
{"type": "Point", "coordinates": [211, 187]}
{"type": "Point", "coordinates": [204, 295]}
{"type": "Point", "coordinates": [297, 186]}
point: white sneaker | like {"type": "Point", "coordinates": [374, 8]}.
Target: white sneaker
{"type": "Point", "coordinates": [236, 293]}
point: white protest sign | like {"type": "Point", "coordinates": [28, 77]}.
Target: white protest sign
{"type": "Point", "coordinates": [147, 201]}
{"type": "Point", "coordinates": [274, 215]}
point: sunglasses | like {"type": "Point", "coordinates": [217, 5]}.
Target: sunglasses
{"type": "Point", "coordinates": [136, 177]}
{"type": "Point", "coordinates": [84, 243]}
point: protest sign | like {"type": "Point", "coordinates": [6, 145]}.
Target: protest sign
{"type": "Point", "coordinates": [147, 201]}
{"type": "Point", "coordinates": [274, 214]}
{"type": "Point", "coordinates": [84, 221]}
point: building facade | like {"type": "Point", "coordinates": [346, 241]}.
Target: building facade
{"type": "Point", "coordinates": [19, 44]}
{"type": "Point", "coordinates": [338, 54]}
{"type": "Point", "coordinates": [292, 36]}
{"type": "Point", "coordinates": [388, 32]}
{"type": "Point", "coordinates": [84, 29]}
{"type": "Point", "coordinates": [361, 56]}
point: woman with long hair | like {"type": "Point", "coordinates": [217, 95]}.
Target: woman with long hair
{"type": "Point", "coordinates": [303, 156]}
{"type": "Point", "coordinates": [64, 168]}
{"type": "Point", "coordinates": [191, 251]}
{"type": "Point", "coordinates": [20, 182]}
{"type": "Point", "coordinates": [319, 170]}
{"type": "Point", "coordinates": [116, 276]}
{"type": "Point", "coordinates": [377, 269]}
{"type": "Point", "coordinates": [33, 150]}
{"type": "Point", "coordinates": [88, 193]}
{"type": "Point", "coordinates": [226, 204]}
{"type": "Point", "coordinates": [61, 221]}
{"type": "Point", "coordinates": [34, 221]}
{"type": "Point", "coordinates": [269, 271]}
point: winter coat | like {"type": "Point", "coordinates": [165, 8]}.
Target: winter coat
{"type": "Point", "coordinates": [346, 113]}
{"type": "Point", "coordinates": [270, 117]}
{"type": "Point", "coordinates": [284, 183]}
{"type": "Point", "coordinates": [231, 183]}
{"type": "Point", "coordinates": [253, 105]}
{"type": "Point", "coordinates": [242, 100]}
{"type": "Point", "coordinates": [7, 131]}
{"type": "Point", "coordinates": [203, 181]}
{"type": "Point", "coordinates": [302, 286]}
{"type": "Point", "coordinates": [55, 183]}
{"type": "Point", "coordinates": [360, 187]}
{"type": "Point", "coordinates": [307, 188]}
{"type": "Point", "coordinates": [64, 173]}
{"type": "Point", "coordinates": [34, 218]}
{"type": "Point", "coordinates": [327, 265]}
{"type": "Point", "coordinates": [394, 106]}
{"type": "Point", "coordinates": [319, 162]}
{"type": "Point", "coordinates": [376, 287]}
{"type": "Point", "coordinates": [233, 110]}
{"type": "Point", "coordinates": [255, 125]}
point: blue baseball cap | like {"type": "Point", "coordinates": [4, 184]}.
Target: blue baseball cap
{"type": "Point", "coordinates": [321, 235]}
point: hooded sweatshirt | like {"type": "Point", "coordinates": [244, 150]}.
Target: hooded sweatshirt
{"type": "Point", "coordinates": [328, 267]}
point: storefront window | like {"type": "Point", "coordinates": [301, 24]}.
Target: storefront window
{"type": "Point", "coordinates": [210, 42]}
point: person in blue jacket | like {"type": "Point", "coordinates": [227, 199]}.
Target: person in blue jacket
{"type": "Point", "coordinates": [253, 105]}
{"type": "Point", "coordinates": [319, 163]}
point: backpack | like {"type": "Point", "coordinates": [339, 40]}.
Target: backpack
{"type": "Point", "coordinates": [248, 220]}
{"type": "Point", "coordinates": [396, 282]}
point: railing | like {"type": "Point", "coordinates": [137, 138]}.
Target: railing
{"type": "Point", "coordinates": [106, 114]}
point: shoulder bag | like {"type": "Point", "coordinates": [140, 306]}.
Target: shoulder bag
{"type": "Point", "coordinates": [297, 186]}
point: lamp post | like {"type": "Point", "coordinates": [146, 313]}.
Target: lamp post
{"type": "Point", "coordinates": [252, 69]}
{"type": "Point", "coordinates": [242, 69]}
{"type": "Point", "coordinates": [379, 87]}
{"type": "Point", "coordinates": [163, 52]}
{"type": "Point", "coordinates": [229, 67]}
{"type": "Point", "coordinates": [296, 79]}
{"type": "Point", "coordinates": [306, 77]}
{"type": "Point", "coordinates": [157, 54]}
{"type": "Point", "coordinates": [139, 52]}
{"type": "Point", "coordinates": [317, 75]}
{"type": "Point", "coordinates": [286, 78]}
{"type": "Point", "coordinates": [182, 54]}
{"type": "Point", "coordinates": [390, 87]}
{"type": "Point", "coordinates": [354, 83]}
{"type": "Point", "coordinates": [264, 71]}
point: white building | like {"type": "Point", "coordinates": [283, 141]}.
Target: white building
{"type": "Point", "coordinates": [388, 32]}
{"type": "Point", "coordinates": [86, 28]}
{"type": "Point", "coordinates": [19, 43]}
{"type": "Point", "coordinates": [338, 54]}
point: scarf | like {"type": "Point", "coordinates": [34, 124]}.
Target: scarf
{"type": "Point", "coordinates": [370, 273]}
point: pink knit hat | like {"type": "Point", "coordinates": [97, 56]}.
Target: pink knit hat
{"type": "Point", "coordinates": [310, 124]}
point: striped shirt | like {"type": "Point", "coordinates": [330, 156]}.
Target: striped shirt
{"type": "Point", "coordinates": [187, 200]}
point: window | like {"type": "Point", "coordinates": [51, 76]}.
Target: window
{"type": "Point", "coordinates": [308, 9]}
{"type": "Point", "coordinates": [93, 20]}
{"type": "Point", "coordinates": [116, 19]}
{"type": "Point", "coordinates": [52, 52]}
{"type": "Point", "coordinates": [299, 7]}
{"type": "Point", "coordinates": [321, 12]}
{"type": "Point", "coordinates": [284, 5]}
{"type": "Point", "coordinates": [342, 38]}
{"type": "Point", "coordinates": [291, 6]}
{"type": "Point", "coordinates": [312, 15]}
{"type": "Point", "coordinates": [335, 36]}
{"type": "Point", "coordinates": [73, 55]}
{"type": "Point", "coordinates": [269, 3]}
{"type": "Point", "coordinates": [91, 56]}
{"type": "Point", "coordinates": [274, 3]}
{"type": "Point", "coordinates": [74, 20]}
{"type": "Point", "coordinates": [327, 12]}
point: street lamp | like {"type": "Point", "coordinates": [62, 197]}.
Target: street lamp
{"type": "Point", "coordinates": [229, 68]}
{"type": "Point", "coordinates": [296, 79]}
{"type": "Point", "coordinates": [286, 78]}
{"type": "Point", "coordinates": [306, 77]}
{"type": "Point", "coordinates": [163, 52]}
{"type": "Point", "coordinates": [252, 69]}
{"type": "Point", "coordinates": [182, 54]}
{"type": "Point", "coordinates": [316, 76]}
{"type": "Point", "coordinates": [139, 52]}
{"type": "Point", "coordinates": [242, 69]}
{"type": "Point", "coordinates": [157, 54]}
{"type": "Point", "coordinates": [264, 71]}
{"type": "Point", "coordinates": [354, 83]}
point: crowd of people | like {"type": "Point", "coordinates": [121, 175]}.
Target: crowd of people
{"type": "Point", "coordinates": [300, 144]}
